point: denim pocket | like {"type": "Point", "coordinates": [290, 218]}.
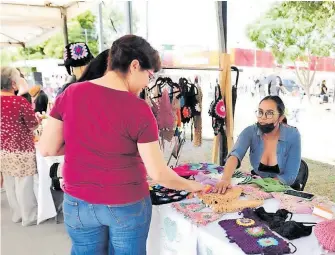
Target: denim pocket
{"type": "Point", "coordinates": [71, 212]}
{"type": "Point", "coordinates": [133, 215]}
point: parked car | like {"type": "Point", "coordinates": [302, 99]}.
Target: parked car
{"type": "Point", "coordinates": [291, 85]}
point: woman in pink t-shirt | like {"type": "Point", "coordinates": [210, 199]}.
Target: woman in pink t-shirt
{"type": "Point", "coordinates": [110, 140]}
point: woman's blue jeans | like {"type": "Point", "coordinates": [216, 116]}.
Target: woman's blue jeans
{"type": "Point", "coordinates": [107, 229]}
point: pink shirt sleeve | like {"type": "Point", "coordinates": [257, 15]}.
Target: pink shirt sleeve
{"type": "Point", "coordinates": [146, 128]}
{"type": "Point", "coordinates": [28, 114]}
{"type": "Point", "coordinates": [58, 108]}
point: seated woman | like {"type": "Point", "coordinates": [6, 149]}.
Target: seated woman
{"type": "Point", "coordinates": [275, 147]}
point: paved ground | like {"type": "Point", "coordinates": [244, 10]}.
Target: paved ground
{"type": "Point", "coordinates": [315, 124]}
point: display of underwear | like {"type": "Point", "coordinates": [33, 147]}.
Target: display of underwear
{"type": "Point", "coordinates": [160, 195]}
{"type": "Point", "coordinates": [193, 212]}
{"type": "Point", "coordinates": [253, 237]}
{"type": "Point", "coordinates": [280, 222]}
{"type": "Point", "coordinates": [228, 202]}
{"type": "Point", "coordinates": [300, 205]}
{"type": "Point", "coordinates": [270, 185]}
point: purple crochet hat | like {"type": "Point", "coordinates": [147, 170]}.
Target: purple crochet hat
{"type": "Point", "coordinates": [76, 54]}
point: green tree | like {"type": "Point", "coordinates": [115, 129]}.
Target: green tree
{"type": "Point", "coordinates": [78, 28]}
{"type": "Point", "coordinates": [295, 31]}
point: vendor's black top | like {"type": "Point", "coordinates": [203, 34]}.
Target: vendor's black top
{"type": "Point", "coordinates": [269, 169]}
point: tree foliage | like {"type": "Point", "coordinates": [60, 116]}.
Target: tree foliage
{"type": "Point", "coordinates": [297, 31]}
{"type": "Point", "coordinates": [80, 29]}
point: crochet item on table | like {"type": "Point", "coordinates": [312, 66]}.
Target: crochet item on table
{"type": "Point", "coordinates": [300, 205]}
{"type": "Point", "coordinates": [270, 185]}
{"type": "Point", "coordinates": [215, 198]}
{"type": "Point", "coordinates": [280, 222]}
{"type": "Point", "coordinates": [255, 192]}
{"type": "Point", "coordinates": [207, 167]}
{"type": "Point", "coordinates": [192, 211]}
{"type": "Point", "coordinates": [160, 195]}
{"type": "Point", "coordinates": [325, 233]}
{"type": "Point", "coordinates": [185, 171]}
{"type": "Point", "coordinates": [205, 180]}
{"type": "Point", "coordinates": [228, 202]}
{"type": "Point", "coordinates": [254, 237]}
{"type": "Point", "coordinates": [236, 206]}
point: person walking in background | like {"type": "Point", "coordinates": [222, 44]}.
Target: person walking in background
{"type": "Point", "coordinates": [18, 161]}
{"type": "Point", "coordinates": [323, 93]}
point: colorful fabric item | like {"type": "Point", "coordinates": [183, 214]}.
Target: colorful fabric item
{"type": "Point", "coordinates": [325, 233]}
{"type": "Point", "coordinates": [160, 195]}
{"type": "Point", "coordinates": [206, 180]}
{"type": "Point", "coordinates": [253, 237]}
{"type": "Point", "coordinates": [255, 192]}
{"type": "Point", "coordinates": [205, 167]}
{"type": "Point", "coordinates": [300, 205]}
{"type": "Point", "coordinates": [192, 211]}
{"type": "Point", "coordinates": [270, 185]}
{"type": "Point", "coordinates": [165, 117]}
{"type": "Point", "coordinates": [185, 171]}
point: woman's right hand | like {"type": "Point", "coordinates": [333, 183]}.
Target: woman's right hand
{"type": "Point", "coordinates": [222, 186]}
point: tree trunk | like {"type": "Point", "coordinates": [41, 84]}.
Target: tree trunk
{"type": "Point", "coordinates": [305, 80]}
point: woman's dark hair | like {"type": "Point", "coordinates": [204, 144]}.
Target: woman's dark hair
{"type": "Point", "coordinates": [280, 105]}
{"type": "Point", "coordinates": [41, 102]}
{"type": "Point", "coordinates": [96, 68]}
{"type": "Point", "coordinates": [130, 47]}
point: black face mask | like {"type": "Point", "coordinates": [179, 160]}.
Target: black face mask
{"type": "Point", "coordinates": [266, 128]}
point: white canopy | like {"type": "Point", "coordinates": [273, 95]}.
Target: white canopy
{"type": "Point", "coordinates": [27, 22]}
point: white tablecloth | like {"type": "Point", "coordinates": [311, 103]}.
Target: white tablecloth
{"type": "Point", "coordinates": [46, 207]}
{"type": "Point", "coordinates": [171, 234]}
